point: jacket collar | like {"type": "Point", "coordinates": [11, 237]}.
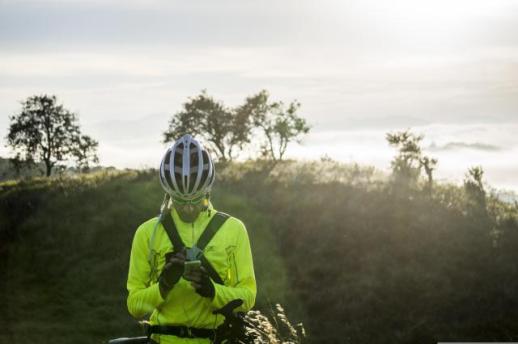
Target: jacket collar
{"type": "Point", "coordinates": [202, 219]}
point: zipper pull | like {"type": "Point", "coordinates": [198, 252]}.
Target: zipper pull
{"type": "Point", "coordinates": [192, 242]}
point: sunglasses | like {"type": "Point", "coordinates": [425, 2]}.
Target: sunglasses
{"type": "Point", "coordinates": [182, 202]}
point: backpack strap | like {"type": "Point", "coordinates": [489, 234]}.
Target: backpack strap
{"type": "Point", "coordinates": [172, 232]}
{"type": "Point", "coordinates": [210, 270]}
{"type": "Point", "coordinates": [212, 228]}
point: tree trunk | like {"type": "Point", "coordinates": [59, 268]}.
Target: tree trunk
{"type": "Point", "coordinates": [48, 166]}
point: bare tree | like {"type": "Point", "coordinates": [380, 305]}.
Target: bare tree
{"type": "Point", "coordinates": [474, 188]}
{"type": "Point", "coordinates": [429, 165]}
{"type": "Point", "coordinates": [407, 165]}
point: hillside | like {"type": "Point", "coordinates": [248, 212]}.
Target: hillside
{"type": "Point", "coordinates": [354, 258]}
{"type": "Point", "coordinates": [65, 248]}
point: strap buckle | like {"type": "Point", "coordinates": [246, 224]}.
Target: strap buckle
{"type": "Point", "coordinates": [194, 253]}
{"type": "Point", "coordinates": [186, 332]}
{"type": "Point", "coordinates": [146, 326]}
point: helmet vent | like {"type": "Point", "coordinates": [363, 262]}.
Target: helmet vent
{"type": "Point", "coordinates": [191, 171]}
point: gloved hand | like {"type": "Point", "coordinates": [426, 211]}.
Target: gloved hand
{"type": "Point", "coordinates": [172, 271]}
{"type": "Point", "coordinates": [201, 282]}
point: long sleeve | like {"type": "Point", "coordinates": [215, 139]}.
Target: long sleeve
{"type": "Point", "coordinates": [142, 298]}
{"type": "Point", "coordinates": [244, 287]}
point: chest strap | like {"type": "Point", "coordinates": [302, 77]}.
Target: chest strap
{"type": "Point", "coordinates": [212, 228]}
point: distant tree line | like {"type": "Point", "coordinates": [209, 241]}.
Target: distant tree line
{"type": "Point", "coordinates": [409, 163]}
{"type": "Point", "coordinates": [45, 133]}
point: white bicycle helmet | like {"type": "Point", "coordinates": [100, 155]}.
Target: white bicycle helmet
{"type": "Point", "coordinates": [187, 170]}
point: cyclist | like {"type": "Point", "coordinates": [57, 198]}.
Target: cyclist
{"type": "Point", "coordinates": [181, 301]}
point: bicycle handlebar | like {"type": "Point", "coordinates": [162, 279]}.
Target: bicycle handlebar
{"type": "Point", "coordinates": [133, 340]}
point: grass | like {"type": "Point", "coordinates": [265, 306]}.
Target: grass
{"type": "Point", "coordinates": [67, 243]}
{"type": "Point", "coordinates": [338, 246]}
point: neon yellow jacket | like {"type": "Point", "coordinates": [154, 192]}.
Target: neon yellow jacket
{"type": "Point", "coordinates": [229, 253]}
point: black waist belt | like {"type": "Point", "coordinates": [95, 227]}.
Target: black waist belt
{"type": "Point", "coordinates": [181, 331]}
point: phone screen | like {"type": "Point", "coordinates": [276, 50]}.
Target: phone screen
{"type": "Point", "coordinates": [192, 265]}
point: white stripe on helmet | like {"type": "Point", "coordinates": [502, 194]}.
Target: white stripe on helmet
{"type": "Point", "coordinates": [167, 172]}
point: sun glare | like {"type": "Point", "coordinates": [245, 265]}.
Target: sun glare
{"type": "Point", "coordinates": [431, 20]}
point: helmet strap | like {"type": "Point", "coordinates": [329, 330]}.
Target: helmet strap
{"type": "Point", "coordinates": [165, 202]}
{"type": "Point", "coordinates": [206, 201]}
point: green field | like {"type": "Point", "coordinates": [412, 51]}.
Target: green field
{"type": "Point", "coordinates": [353, 257]}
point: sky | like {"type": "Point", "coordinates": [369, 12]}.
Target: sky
{"type": "Point", "coordinates": [444, 69]}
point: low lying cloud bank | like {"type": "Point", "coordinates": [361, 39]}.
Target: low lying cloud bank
{"type": "Point", "coordinates": [450, 146]}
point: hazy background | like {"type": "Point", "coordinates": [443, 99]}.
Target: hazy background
{"type": "Point", "coordinates": [446, 69]}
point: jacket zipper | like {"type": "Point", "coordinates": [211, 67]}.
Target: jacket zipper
{"type": "Point", "coordinates": [192, 236]}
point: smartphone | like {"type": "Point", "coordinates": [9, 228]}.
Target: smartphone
{"type": "Point", "coordinates": [191, 265]}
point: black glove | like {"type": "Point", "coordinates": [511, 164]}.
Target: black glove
{"type": "Point", "coordinates": [201, 282]}
{"type": "Point", "coordinates": [172, 271]}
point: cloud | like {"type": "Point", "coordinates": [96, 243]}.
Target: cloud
{"type": "Point", "coordinates": [131, 132]}
{"type": "Point", "coordinates": [451, 146]}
